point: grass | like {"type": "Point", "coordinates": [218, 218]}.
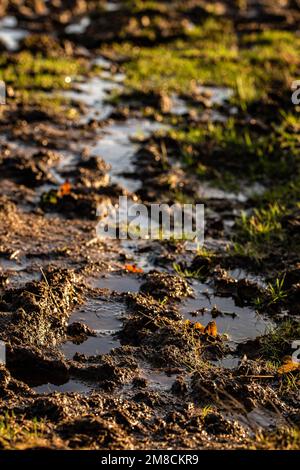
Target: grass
{"type": "Point", "coordinates": [263, 232]}
{"type": "Point", "coordinates": [274, 294]}
{"type": "Point", "coordinates": [287, 438]}
{"type": "Point", "coordinates": [35, 71]}
{"type": "Point", "coordinates": [257, 234]}
{"type": "Point", "coordinates": [260, 157]}
{"type": "Point", "coordinates": [278, 342]}
{"type": "Point", "coordinates": [263, 225]}
{"type": "Point", "coordinates": [188, 273]}
{"type": "Point", "coordinates": [21, 433]}
{"type": "Point", "coordinates": [276, 291]}
{"type": "Point", "coordinates": [212, 53]}
{"type": "Point", "coordinates": [34, 76]}
{"type": "Point", "coordinates": [206, 410]}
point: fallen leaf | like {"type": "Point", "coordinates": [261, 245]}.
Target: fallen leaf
{"type": "Point", "coordinates": [65, 189]}
{"type": "Point", "coordinates": [199, 326]}
{"type": "Point", "coordinates": [288, 366]}
{"type": "Point", "coordinates": [132, 268]}
{"type": "Point", "coordinates": [211, 329]}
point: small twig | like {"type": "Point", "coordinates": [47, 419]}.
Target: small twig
{"type": "Point", "coordinates": [15, 254]}
{"type": "Point", "coordinates": [257, 376]}
{"type": "Point", "coordinates": [92, 241]}
{"type": "Point", "coordinates": [50, 290]}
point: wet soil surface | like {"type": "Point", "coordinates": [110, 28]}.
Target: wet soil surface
{"type": "Point", "coordinates": [123, 344]}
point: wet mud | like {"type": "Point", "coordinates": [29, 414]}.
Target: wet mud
{"type": "Point", "coordinates": [123, 344]}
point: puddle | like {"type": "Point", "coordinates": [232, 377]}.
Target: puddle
{"type": "Point", "coordinates": [8, 22]}
{"type": "Point", "coordinates": [93, 346]}
{"type": "Point", "coordinates": [20, 278]}
{"type": "Point", "coordinates": [13, 265]}
{"type": "Point", "coordinates": [78, 28]}
{"type": "Point", "coordinates": [158, 380]}
{"type": "Point", "coordinates": [179, 106]}
{"type": "Point", "coordinates": [137, 254]}
{"type": "Point", "coordinates": [10, 35]}
{"type": "Point", "coordinates": [102, 62]}
{"type": "Point", "coordinates": [209, 192]}
{"type": "Point", "coordinates": [117, 149]}
{"type": "Point", "coordinates": [93, 93]}
{"type": "Point", "coordinates": [105, 318]}
{"type": "Point", "coordinates": [70, 386]}
{"type": "Point", "coordinates": [258, 418]}
{"type": "Point", "coordinates": [247, 324]}
{"type": "Point", "coordinates": [264, 418]}
{"type": "Point", "coordinates": [126, 283]}
{"type": "Point", "coordinates": [216, 95]}
{"type": "Point", "coordinates": [240, 273]}
{"type": "Point", "coordinates": [115, 144]}
{"type": "Point", "coordinates": [228, 362]}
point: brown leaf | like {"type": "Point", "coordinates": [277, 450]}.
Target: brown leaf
{"type": "Point", "coordinates": [211, 329]}
{"type": "Point", "coordinates": [65, 189]}
{"type": "Point", "coordinates": [132, 268]}
{"type": "Point", "coordinates": [288, 366]}
{"type": "Point", "coordinates": [199, 326]}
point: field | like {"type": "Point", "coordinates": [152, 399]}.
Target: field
{"type": "Point", "coordinates": [149, 342]}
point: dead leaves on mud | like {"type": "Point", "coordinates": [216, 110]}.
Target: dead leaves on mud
{"type": "Point", "coordinates": [132, 268]}
{"type": "Point", "coordinates": [288, 366]}
{"type": "Point", "coordinates": [65, 189]}
{"type": "Point", "coordinates": [210, 329]}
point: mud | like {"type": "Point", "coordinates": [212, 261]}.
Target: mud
{"type": "Point", "coordinates": [132, 344]}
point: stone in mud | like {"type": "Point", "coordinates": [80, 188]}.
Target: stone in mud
{"type": "Point", "coordinates": [80, 330]}
{"type": "Point", "coordinates": [179, 387]}
{"type": "Point", "coordinates": [162, 286]}
{"type": "Point", "coordinates": [243, 290]}
{"type": "Point", "coordinates": [140, 382]}
{"type": "Point", "coordinates": [203, 264]}
{"type": "Point", "coordinates": [225, 284]}
{"type": "Point", "coordinates": [248, 291]}
{"type": "Point", "coordinates": [251, 348]}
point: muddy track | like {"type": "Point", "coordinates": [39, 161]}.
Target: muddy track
{"type": "Point", "coordinates": [124, 344]}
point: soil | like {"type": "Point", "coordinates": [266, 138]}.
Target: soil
{"type": "Point", "coordinates": [124, 344]}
